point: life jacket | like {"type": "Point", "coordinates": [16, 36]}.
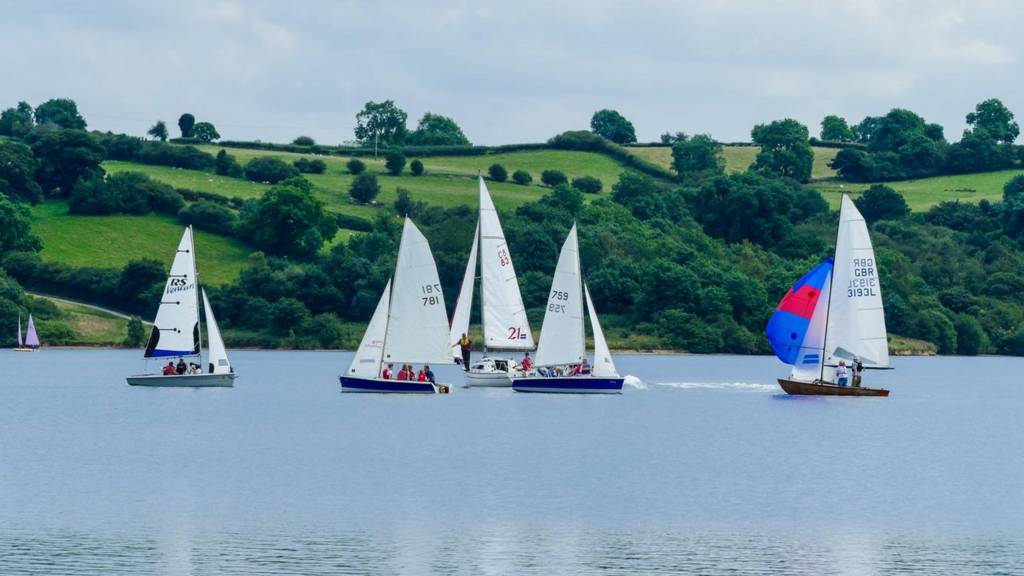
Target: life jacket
{"type": "Point", "coordinates": [422, 377]}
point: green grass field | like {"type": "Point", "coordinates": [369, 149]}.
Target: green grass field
{"type": "Point", "coordinates": [111, 241]}
{"type": "Point", "coordinates": [191, 179]}
{"type": "Point", "coordinates": [92, 327]}
{"type": "Point", "coordinates": [924, 193]}
{"type": "Point", "coordinates": [739, 158]}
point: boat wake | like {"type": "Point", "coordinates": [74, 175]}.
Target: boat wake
{"type": "Point", "coordinates": [736, 386]}
{"type": "Point", "coordinates": [634, 382]}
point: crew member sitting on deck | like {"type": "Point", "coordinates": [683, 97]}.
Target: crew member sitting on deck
{"type": "Point", "coordinates": [181, 367]}
{"type": "Point", "coordinates": [841, 373]}
{"type": "Point", "coordinates": [169, 369]}
{"type": "Point", "coordinates": [584, 366]}
{"type": "Point", "coordinates": [527, 363]}
{"type": "Point", "coordinates": [422, 376]}
{"type": "Point", "coordinates": [430, 374]}
{"type": "Point", "coordinates": [386, 374]}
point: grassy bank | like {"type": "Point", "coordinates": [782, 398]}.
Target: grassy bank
{"type": "Point", "coordinates": [739, 158]}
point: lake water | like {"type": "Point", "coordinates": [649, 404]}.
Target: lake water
{"type": "Point", "coordinates": [702, 466]}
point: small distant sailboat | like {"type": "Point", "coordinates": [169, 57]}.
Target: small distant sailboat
{"type": "Point", "coordinates": [505, 325]}
{"type": "Point", "coordinates": [31, 341]}
{"type": "Point", "coordinates": [562, 338]}
{"type": "Point", "coordinates": [409, 325]}
{"type": "Point", "coordinates": [834, 313]}
{"type": "Point", "coordinates": [177, 332]}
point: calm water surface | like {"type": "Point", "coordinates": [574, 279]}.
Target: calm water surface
{"type": "Point", "coordinates": [701, 466]}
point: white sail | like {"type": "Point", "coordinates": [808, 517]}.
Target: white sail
{"type": "Point", "coordinates": [218, 355]}
{"type": "Point", "coordinates": [464, 305]}
{"type": "Point", "coordinates": [21, 343]}
{"type": "Point", "coordinates": [176, 328]}
{"type": "Point", "coordinates": [418, 323]}
{"type": "Point", "coordinates": [561, 336]}
{"type": "Point", "coordinates": [504, 316]}
{"type": "Point", "coordinates": [367, 361]}
{"type": "Point", "coordinates": [604, 367]}
{"type": "Point", "coordinates": [807, 367]}
{"type": "Point", "coordinates": [856, 319]}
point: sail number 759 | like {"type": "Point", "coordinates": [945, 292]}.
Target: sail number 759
{"type": "Point", "coordinates": [431, 294]}
{"type": "Point", "coordinates": [556, 297]}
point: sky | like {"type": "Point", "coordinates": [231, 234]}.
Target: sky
{"type": "Point", "coordinates": [510, 72]}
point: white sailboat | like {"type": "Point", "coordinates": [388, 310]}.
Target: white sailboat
{"type": "Point", "coordinates": [409, 325]}
{"type": "Point", "coordinates": [31, 341]}
{"type": "Point", "coordinates": [561, 353]}
{"type": "Point", "coordinates": [834, 314]}
{"type": "Point", "coordinates": [177, 332]}
{"type": "Point", "coordinates": [505, 325]}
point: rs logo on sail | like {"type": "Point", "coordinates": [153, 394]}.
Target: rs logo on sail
{"type": "Point", "coordinates": [178, 285]}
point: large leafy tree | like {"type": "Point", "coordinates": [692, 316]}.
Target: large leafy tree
{"type": "Point", "coordinates": [697, 157]}
{"type": "Point", "coordinates": [16, 122]}
{"type": "Point", "coordinates": [63, 157]}
{"type": "Point", "coordinates": [996, 119]}
{"type": "Point", "coordinates": [785, 150]}
{"type": "Point", "coordinates": [835, 129]}
{"type": "Point", "coordinates": [186, 122]}
{"type": "Point", "coordinates": [205, 132]}
{"type": "Point", "coordinates": [158, 131]}
{"type": "Point", "coordinates": [613, 126]}
{"type": "Point", "coordinates": [16, 228]}
{"type": "Point", "coordinates": [18, 173]}
{"type": "Point", "coordinates": [381, 124]}
{"type": "Point", "coordinates": [437, 130]}
{"type": "Point", "coordinates": [881, 202]}
{"type": "Point", "coordinates": [60, 111]}
{"type": "Point", "coordinates": [289, 221]}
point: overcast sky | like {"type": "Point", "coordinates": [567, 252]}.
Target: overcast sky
{"type": "Point", "coordinates": [512, 71]}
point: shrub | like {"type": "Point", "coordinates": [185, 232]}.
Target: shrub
{"type": "Point", "coordinates": [124, 193]}
{"type": "Point", "coordinates": [587, 184]}
{"type": "Point", "coordinates": [497, 173]}
{"type": "Point", "coordinates": [406, 206]}
{"type": "Point", "coordinates": [416, 167]}
{"type": "Point", "coordinates": [355, 166]}
{"type": "Point", "coordinates": [269, 169]}
{"type": "Point", "coordinates": [310, 166]}
{"type": "Point", "coordinates": [522, 177]}
{"type": "Point", "coordinates": [226, 165]}
{"type": "Point", "coordinates": [164, 154]}
{"type": "Point", "coordinates": [364, 188]}
{"type": "Point", "coordinates": [350, 222]}
{"type": "Point", "coordinates": [395, 161]}
{"type": "Point", "coordinates": [881, 202]}
{"type": "Point", "coordinates": [553, 178]}
{"type": "Point", "coordinates": [304, 141]}
{"type": "Point", "coordinates": [210, 216]}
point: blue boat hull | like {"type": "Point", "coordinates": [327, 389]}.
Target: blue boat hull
{"type": "Point", "coordinates": [349, 384]}
{"type": "Point", "coordinates": [568, 385]}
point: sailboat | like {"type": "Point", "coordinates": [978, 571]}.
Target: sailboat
{"type": "Point", "coordinates": [833, 314]}
{"type": "Point", "coordinates": [562, 348]}
{"type": "Point", "coordinates": [505, 325]}
{"type": "Point", "coordinates": [177, 332]}
{"type": "Point", "coordinates": [31, 341]}
{"type": "Point", "coordinates": [409, 325]}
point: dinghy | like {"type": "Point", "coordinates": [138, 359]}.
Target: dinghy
{"type": "Point", "coordinates": [31, 341]}
{"type": "Point", "coordinates": [834, 314]}
{"type": "Point", "coordinates": [176, 331]}
{"type": "Point", "coordinates": [561, 352]}
{"type": "Point", "coordinates": [503, 316]}
{"type": "Point", "coordinates": [409, 325]}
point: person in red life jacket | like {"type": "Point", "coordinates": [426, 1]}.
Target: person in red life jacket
{"type": "Point", "coordinates": [402, 373]}
{"type": "Point", "coordinates": [527, 363]}
{"type": "Point", "coordinates": [169, 369]}
{"type": "Point", "coordinates": [386, 374]}
{"type": "Point", "coordinates": [422, 376]}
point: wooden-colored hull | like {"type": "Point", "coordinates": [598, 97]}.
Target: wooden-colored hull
{"type": "Point", "coordinates": [796, 387]}
{"type": "Point", "coordinates": [26, 349]}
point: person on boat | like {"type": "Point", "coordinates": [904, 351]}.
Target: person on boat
{"type": "Point", "coordinates": [527, 363]}
{"type": "Point", "coordinates": [857, 367]}
{"type": "Point", "coordinates": [422, 375]}
{"type": "Point", "coordinates": [841, 373]}
{"type": "Point", "coordinates": [193, 368]}
{"type": "Point", "coordinates": [466, 346]}
{"type": "Point", "coordinates": [169, 369]}
{"type": "Point", "coordinates": [584, 367]}
{"type": "Point", "coordinates": [387, 372]}
{"type": "Point", "coordinates": [181, 367]}
{"type": "Point", "coordinates": [429, 373]}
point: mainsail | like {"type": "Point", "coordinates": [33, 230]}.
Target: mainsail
{"type": "Point", "coordinates": [367, 361]}
{"type": "Point", "coordinates": [603, 365]}
{"type": "Point", "coordinates": [31, 338]}
{"type": "Point", "coordinates": [561, 337]}
{"type": "Point", "coordinates": [464, 305]}
{"type": "Point", "coordinates": [417, 329]}
{"type": "Point", "coordinates": [218, 354]}
{"type": "Point", "coordinates": [21, 343]}
{"type": "Point", "coordinates": [176, 328]}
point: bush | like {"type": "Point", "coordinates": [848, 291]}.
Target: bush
{"type": "Point", "coordinates": [553, 178]}
{"type": "Point", "coordinates": [587, 184]}
{"type": "Point", "coordinates": [124, 193]}
{"type": "Point", "coordinates": [497, 173]}
{"type": "Point", "coordinates": [304, 141]}
{"type": "Point", "coordinates": [287, 315]}
{"type": "Point", "coordinates": [269, 170]}
{"type": "Point", "coordinates": [136, 332]}
{"type": "Point", "coordinates": [164, 154]}
{"type": "Point", "coordinates": [364, 188]}
{"type": "Point", "coordinates": [522, 177]}
{"type": "Point", "coordinates": [395, 161]}
{"type": "Point", "coordinates": [350, 222]}
{"type": "Point", "coordinates": [881, 202]}
{"type": "Point", "coordinates": [406, 206]}
{"type": "Point", "coordinates": [355, 166]}
{"type": "Point", "coordinates": [210, 216]}
{"type": "Point", "coordinates": [310, 166]}
{"type": "Point", "coordinates": [416, 167]}
{"type": "Point", "coordinates": [226, 165]}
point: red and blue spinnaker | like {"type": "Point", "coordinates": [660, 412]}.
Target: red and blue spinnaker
{"type": "Point", "coordinates": [787, 329]}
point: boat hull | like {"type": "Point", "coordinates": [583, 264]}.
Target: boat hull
{"type": "Point", "coordinates": [488, 379]}
{"type": "Point", "coordinates": [184, 380]}
{"type": "Point", "coordinates": [381, 386]}
{"type": "Point", "coordinates": [568, 385]}
{"type": "Point", "coordinates": [798, 388]}
{"type": "Point", "coordinates": [26, 349]}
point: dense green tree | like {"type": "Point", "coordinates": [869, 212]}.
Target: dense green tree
{"type": "Point", "coordinates": [211, 216]}
{"type": "Point", "coordinates": [865, 130]}
{"type": "Point", "coordinates": [364, 188]}
{"type": "Point", "coordinates": [18, 173]}
{"type": "Point", "coordinates": [553, 178]}
{"type": "Point", "coordinates": [62, 112]}
{"type": "Point", "coordinates": [895, 129]}
{"type": "Point", "coordinates": [587, 184]}
{"type": "Point", "coordinates": [205, 132]}
{"type": "Point", "coordinates": [288, 315]}
{"type": "Point", "coordinates": [437, 130]}
{"type": "Point", "coordinates": [17, 122]}
{"type": "Point", "coordinates": [670, 138]}
{"type": "Point", "coordinates": [16, 228]}
{"type": "Point", "coordinates": [996, 119]}
{"type": "Point", "coordinates": [158, 131]}
{"type": "Point", "coordinates": [381, 124]}
{"type": "Point", "coordinates": [406, 206]}
{"type": "Point", "coordinates": [126, 193]}
{"type": "Point", "coordinates": [697, 157]}
{"type": "Point", "coordinates": [269, 169]}
{"type": "Point", "coordinates": [613, 126]}
{"type": "Point", "coordinates": [416, 167]}
{"type": "Point", "coordinates": [1013, 207]}
{"type": "Point", "coordinates": [227, 165]}
{"type": "Point", "coordinates": [64, 156]}
{"type": "Point", "coordinates": [136, 335]}
{"type": "Point", "coordinates": [522, 177]}
{"type": "Point", "coordinates": [186, 122]}
{"type": "Point", "coordinates": [971, 338]}
{"type": "Point", "coordinates": [310, 166]}
{"type": "Point", "coordinates": [835, 129]}
{"type": "Point", "coordinates": [745, 207]}
{"type": "Point", "coordinates": [355, 166]}
{"type": "Point", "coordinates": [137, 280]}
{"type": "Point", "coordinates": [881, 202]}
{"type": "Point", "coordinates": [978, 151]}
{"type": "Point", "coordinates": [785, 150]}
{"type": "Point", "coordinates": [289, 221]}
{"type": "Point", "coordinates": [304, 141]}
{"type": "Point", "coordinates": [394, 162]}
{"type": "Point", "coordinates": [497, 172]}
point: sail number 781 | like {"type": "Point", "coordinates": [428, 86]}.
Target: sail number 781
{"type": "Point", "coordinates": [431, 294]}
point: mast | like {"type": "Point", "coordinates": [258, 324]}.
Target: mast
{"type": "Point", "coordinates": [831, 279]}
{"type": "Point", "coordinates": [384, 341]}
{"type": "Point", "coordinates": [579, 266]}
{"type": "Point", "coordinates": [195, 272]}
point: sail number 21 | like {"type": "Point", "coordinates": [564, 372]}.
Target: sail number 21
{"type": "Point", "coordinates": [432, 294]}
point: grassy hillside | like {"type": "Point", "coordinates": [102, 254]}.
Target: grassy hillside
{"type": "Point", "coordinates": [111, 241]}
{"type": "Point", "coordinates": [927, 192]}
{"type": "Point", "coordinates": [92, 327]}
{"type": "Point", "coordinates": [739, 158]}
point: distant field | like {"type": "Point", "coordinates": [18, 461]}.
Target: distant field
{"type": "Point", "coordinates": [739, 158]}
{"type": "Point", "coordinates": [924, 193]}
{"type": "Point", "coordinates": [191, 179]}
{"type": "Point", "coordinates": [111, 241]}
{"type": "Point", "coordinates": [92, 327]}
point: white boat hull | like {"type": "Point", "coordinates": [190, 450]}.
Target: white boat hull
{"type": "Point", "coordinates": [184, 380]}
{"type": "Point", "coordinates": [482, 379]}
